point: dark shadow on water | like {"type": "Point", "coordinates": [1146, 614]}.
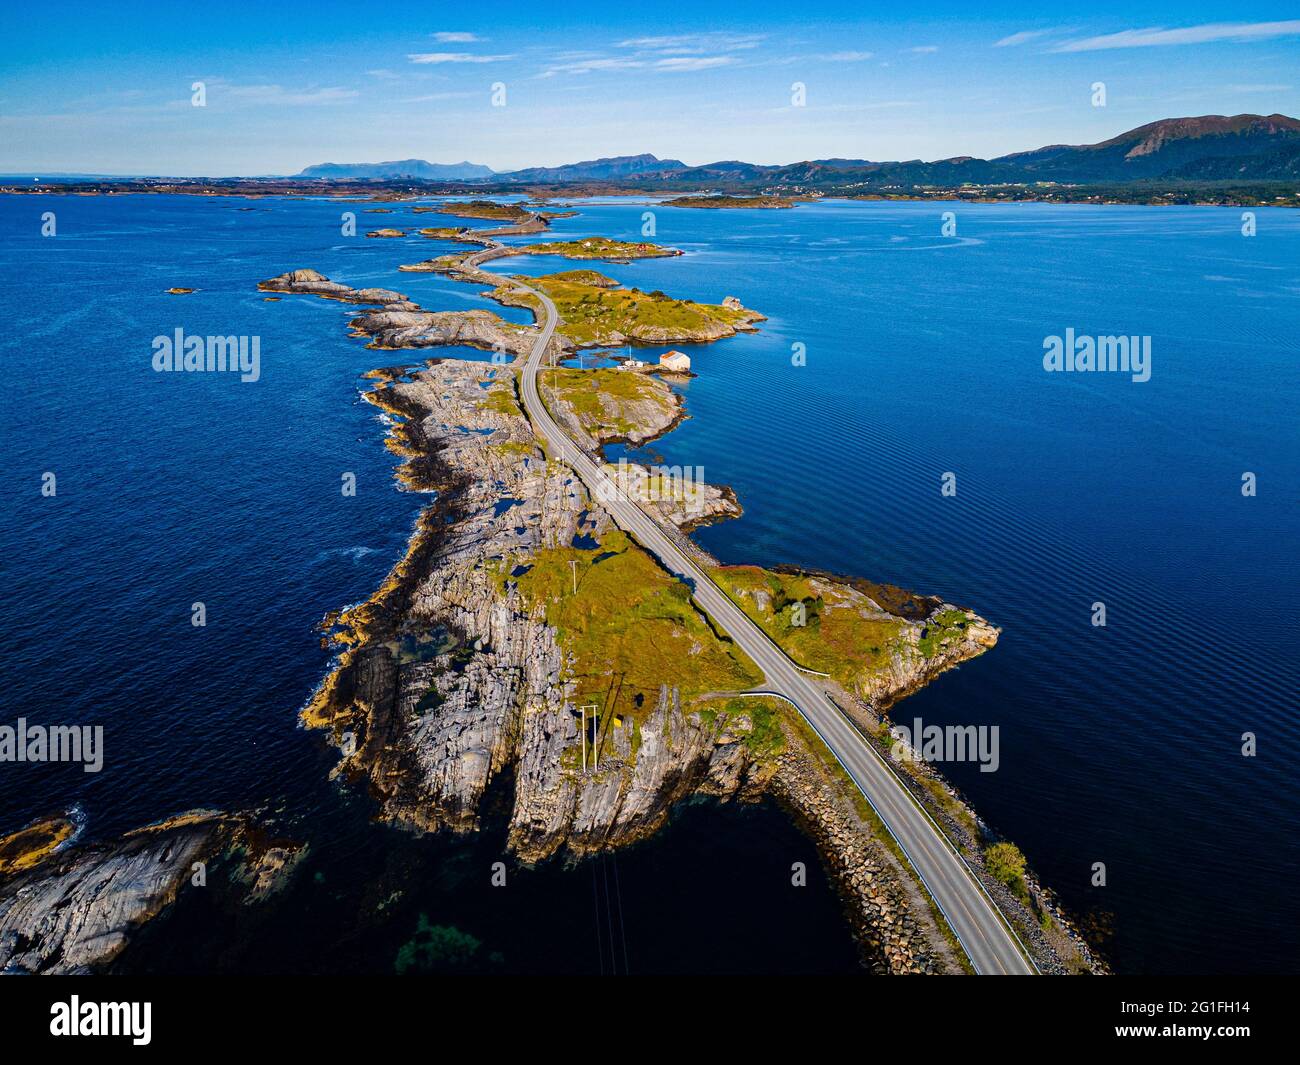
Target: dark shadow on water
{"type": "Point", "coordinates": [711, 893]}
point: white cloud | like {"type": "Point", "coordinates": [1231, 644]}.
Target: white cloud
{"type": "Point", "coordinates": [1023, 37]}
{"type": "Point", "coordinates": [277, 94]}
{"type": "Point", "coordinates": [455, 57]}
{"type": "Point", "coordinates": [693, 62]}
{"type": "Point", "coordinates": [924, 49]}
{"type": "Point", "coordinates": [593, 63]}
{"type": "Point", "coordinates": [1259, 88]}
{"type": "Point", "coordinates": [695, 42]}
{"type": "Point", "coordinates": [1159, 36]}
{"type": "Point", "coordinates": [680, 53]}
{"type": "Point", "coordinates": [434, 97]}
{"type": "Point", "coordinates": [449, 37]}
{"type": "Point", "coordinates": [825, 57]}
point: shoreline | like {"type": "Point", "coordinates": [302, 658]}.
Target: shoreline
{"type": "Point", "coordinates": [1230, 194]}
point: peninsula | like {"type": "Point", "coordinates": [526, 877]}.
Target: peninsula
{"type": "Point", "coordinates": [521, 597]}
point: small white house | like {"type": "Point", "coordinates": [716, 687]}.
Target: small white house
{"type": "Point", "coordinates": [677, 361]}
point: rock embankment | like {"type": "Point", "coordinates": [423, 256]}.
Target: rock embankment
{"type": "Point", "coordinates": [890, 915]}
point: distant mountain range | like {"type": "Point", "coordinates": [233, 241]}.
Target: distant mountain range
{"type": "Point", "coordinates": [611, 169]}
{"type": "Point", "coordinates": [1208, 148]}
{"type": "Point", "coordinates": [414, 169]}
{"type": "Point", "coordinates": [591, 170]}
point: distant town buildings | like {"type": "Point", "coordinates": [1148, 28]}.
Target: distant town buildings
{"type": "Point", "coordinates": [677, 361]}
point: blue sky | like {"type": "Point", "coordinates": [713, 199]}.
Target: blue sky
{"type": "Point", "coordinates": [106, 88]}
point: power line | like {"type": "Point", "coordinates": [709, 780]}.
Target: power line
{"type": "Point", "coordinates": [609, 915]}
{"type": "Point", "coordinates": [622, 930]}
{"type": "Point", "coordinates": [595, 894]}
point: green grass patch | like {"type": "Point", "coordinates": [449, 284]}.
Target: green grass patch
{"type": "Point", "coordinates": [514, 449]}
{"type": "Point", "coordinates": [600, 248]}
{"type": "Point", "coordinates": [1005, 863]}
{"type": "Point", "coordinates": [592, 311]}
{"type": "Point", "coordinates": [603, 399]}
{"type": "Point", "coordinates": [941, 631]}
{"type": "Point", "coordinates": [833, 632]}
{"type": "Point", "coordinates": [501, 399]}
{"type": "Point", "coordinates": [630, 619]}
{"type": "Point", "coordinates": [766, 737]}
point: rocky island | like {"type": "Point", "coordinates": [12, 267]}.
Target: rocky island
{"type": "Point", "coordinates": [519, 601]}
{"type": "Point", "coordinates": [597, 311]}
{"type": "Point", "coordinates": [722, 201]}
{"type": "Point", "coordinates": [614, 251]}
{"type": "Point", "coordinates": [483, 209]}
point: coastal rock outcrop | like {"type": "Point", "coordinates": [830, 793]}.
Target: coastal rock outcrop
{"type": "Point", "coordinates": [391, 327]}
{"type": "Point", "coordinates": [449, 679]}
{"type": "Point", "coordinates": [76, 909]}
{"type": "Point", "coordinates": [312, 283]}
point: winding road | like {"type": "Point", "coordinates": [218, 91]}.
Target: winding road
{"type": "Point", "coordinates": [987, 939]}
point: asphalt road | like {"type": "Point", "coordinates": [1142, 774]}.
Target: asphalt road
{"type": "Point", "coordinates": [989, 944]}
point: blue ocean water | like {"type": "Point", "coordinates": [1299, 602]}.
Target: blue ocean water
{"type": "Point", "coordinates": [1119, 745]}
